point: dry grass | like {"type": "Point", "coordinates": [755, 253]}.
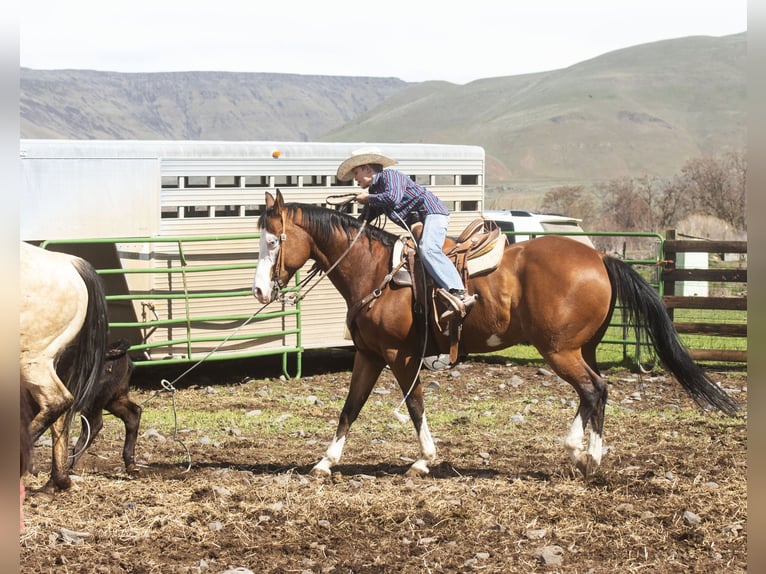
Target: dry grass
{"type": "Point", "coordinates": [502, 491]}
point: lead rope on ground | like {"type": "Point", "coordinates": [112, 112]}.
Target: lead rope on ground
{"type": "Point", "coordinates": [169, 386]}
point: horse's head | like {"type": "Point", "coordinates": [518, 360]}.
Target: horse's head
{"type": "Point", "coordinates": [284, 249]}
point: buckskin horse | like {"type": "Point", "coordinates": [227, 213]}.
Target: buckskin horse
{"type": "Point", "coordinates": [62, 316]}
{"type": "Point", "coordinates": [552, 292]}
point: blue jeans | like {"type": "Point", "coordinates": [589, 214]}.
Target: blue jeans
{"type": "Point", "coordinates": [438, 265]}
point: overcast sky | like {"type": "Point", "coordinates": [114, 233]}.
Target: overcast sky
{"type": "Point", "coordinates": [414, 40]}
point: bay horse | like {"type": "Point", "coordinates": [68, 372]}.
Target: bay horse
{"type": "Point", "coordinates": [552, 292]}
{"type": "Point", "coordinates": [62, 314]}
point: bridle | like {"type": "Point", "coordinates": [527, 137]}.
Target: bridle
{"type": "Point", "coordinates": [279, 265]}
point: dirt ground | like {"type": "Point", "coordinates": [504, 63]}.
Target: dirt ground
{"type": "Point", "coordinates": [224, 483]}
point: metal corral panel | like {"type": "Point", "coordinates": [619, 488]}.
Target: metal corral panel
{"type": "Point", "coordinates": [214, 318]}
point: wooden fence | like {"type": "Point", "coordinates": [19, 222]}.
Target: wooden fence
{"type": "Point", "coordinates": [672, 274]}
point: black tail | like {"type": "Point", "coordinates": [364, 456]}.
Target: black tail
{"type": "Point", "coordinates": [644, 310]}
{"type": "Point", "coordinates": [86, 355]}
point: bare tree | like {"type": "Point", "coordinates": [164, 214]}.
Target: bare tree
{"type": "Point", "coordinates": [571, 200]}
{"type": "Point", "coordinates": [626, 205]}
{"type": "Point", "coordinates": [706, 186]}
{"type": "Point", "coordinates": [717, 187]}
{"type": "Point", "coordinates": [672, 202]}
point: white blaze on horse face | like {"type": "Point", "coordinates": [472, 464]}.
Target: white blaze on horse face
{"type": "Point", "coordinates": [263, 287]}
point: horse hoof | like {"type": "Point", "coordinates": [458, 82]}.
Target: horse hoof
{"type": "Point", "coordinates": [418, 468]}
{"type": "Point", "coordinates": [52, 487]}
{"type": "Point", "coordinates": [320, 472]}
{"type": "Point", "coordinates": [587, 465]}
{"type": "Point", "coordinates": [41, 495]}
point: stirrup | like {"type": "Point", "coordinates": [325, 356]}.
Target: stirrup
{"type": "Point", "coordinates": [457, 306]}
{"type": "Point", "coordinates": [437, 362]}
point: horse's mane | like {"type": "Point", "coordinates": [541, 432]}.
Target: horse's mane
{"type": "Point", "coordinates": [324, 222]}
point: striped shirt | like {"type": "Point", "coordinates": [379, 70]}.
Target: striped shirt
{"type": "Point", "coordinates": [402, 199]}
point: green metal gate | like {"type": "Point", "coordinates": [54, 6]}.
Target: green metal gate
{"type": "Point", "coordinates": [187, 299]}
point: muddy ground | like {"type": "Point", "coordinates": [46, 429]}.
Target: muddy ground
{"type": "Point", "coordinates": [224, 480]}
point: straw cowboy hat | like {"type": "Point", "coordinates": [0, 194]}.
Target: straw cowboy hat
{"type": "Point", "coordinates": [362, 156]}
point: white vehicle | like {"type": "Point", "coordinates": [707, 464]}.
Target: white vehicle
{"type": "Point", "coordinates": [519, 220]}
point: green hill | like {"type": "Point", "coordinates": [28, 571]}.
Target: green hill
{"type": "Point", "coordinates": [86, 104]}
{"type": "Point", "coordinates": [640, 110]}
{"type": "Point", "coordinates": [643, 110]}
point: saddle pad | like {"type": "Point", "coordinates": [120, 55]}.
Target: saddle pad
{"type": "Point", "coordinates": [402, 276]}
{"type": "Point", "coordinates": [398, 253]}
{"type": "Point", "coordinates": [489, 260]}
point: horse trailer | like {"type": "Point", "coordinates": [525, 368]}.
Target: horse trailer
{"type": "Point", "coordinates": [172, 228]}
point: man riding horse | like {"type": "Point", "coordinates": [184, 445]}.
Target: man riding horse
{"type": "Point", "coordinates": [414, 208]}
